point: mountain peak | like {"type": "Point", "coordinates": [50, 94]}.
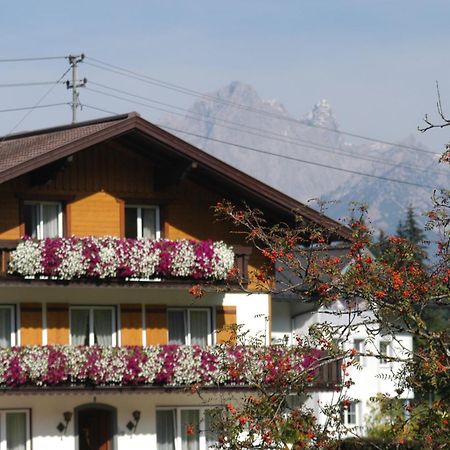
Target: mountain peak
{"type": "Point", "coordinates": [322, 115]}
{"type": "Point", "coordinates": [238, 92]}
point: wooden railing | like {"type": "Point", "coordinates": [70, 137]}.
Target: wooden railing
{"type": "Point", "coordinates": [6, 247]}
{"type": "Point", "coordinates": [329, 376]}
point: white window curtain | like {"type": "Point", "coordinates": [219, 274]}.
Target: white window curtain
{"type": "Point", "coordinates": [165, 429]}
{"type": "Point", "coordinates": [79, 326]}
{"type": "Point", "coordinates": [16, 431]}
{"type": "Point", "coordinates": [190, 438]}
{"type": "Point", "coordinates": [199, 327]}
{"type": "Point", "coordinates": [211, 435]}
{"type": "Point", "coordinates": [177, 327]}
{"type": "Point", "coordinates": [5, 327]}
{"type": "Point", "coordinates": [103, 326]}
{"type": "Point", "coordinates": [32, 220]}
{"type": "Point", "coordinates": [148, 223]}
{"type": "Point", "coordinates": [50, 225]}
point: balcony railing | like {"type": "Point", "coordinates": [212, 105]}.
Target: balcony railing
{"type": "Point", "coordinates": [167, 366]}
{"type": "Point", "coordinates": [112, 260]}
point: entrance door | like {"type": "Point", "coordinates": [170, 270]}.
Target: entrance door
{"type": "Point", "coordinates": [95, 429]}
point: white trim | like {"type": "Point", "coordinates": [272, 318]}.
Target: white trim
{"type": "Point", "coordinates": [144, 326]}
{"type": "Point", "coordinates": [91, 309]}
{"type": "Point", "coordinates": [139, 209]}
{"type": "Point", "coordinates": [44, 324]}
{"type": "Point", "coordinates": [177, 423]}
{"type": "Point", "coordinates": [187, 323]}
{"type": "Point", "coordinates": [13, 336]}
{"type": "Point", "coordinates": [40, 224]}
{"type": "Point", "coordinates": [3, 414]}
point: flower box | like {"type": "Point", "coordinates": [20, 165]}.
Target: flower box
{"type": "Point", "coordinates": [125, 259]}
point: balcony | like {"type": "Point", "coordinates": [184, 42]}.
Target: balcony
{"type": "Point", "coordinates": [114, 260]}
{"type": "Point", "coordinates": [166, 366]}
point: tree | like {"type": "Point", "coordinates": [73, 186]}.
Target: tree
{"type": "Point", "coordinates": [394, 290]}
{"type": "Point", "coordinates": [411, 231]}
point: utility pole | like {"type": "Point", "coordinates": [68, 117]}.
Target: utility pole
{"type": "Point", "coordinates": [75, 84]}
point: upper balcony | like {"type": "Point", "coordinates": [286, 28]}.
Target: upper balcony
{"type": "Point", "coordinates": [126, 261]}
{"type": "Point", "coordinates": [165, 366]}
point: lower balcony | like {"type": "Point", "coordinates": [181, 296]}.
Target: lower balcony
{"type": "Point", "coordinates": [166, 366]}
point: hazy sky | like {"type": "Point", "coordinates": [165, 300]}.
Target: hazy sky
{"type": "Point", "coordinates": [375, 61]}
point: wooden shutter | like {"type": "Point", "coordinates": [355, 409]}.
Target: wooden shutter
{"type": "Point", "coordinates": [31, 324]}
{"type": "Point", "coordinates": [131, 324]}
{"type": "Point", "coordinates": [58, 323]}
{"type": "Point", "coordinates": [225, 316]}
{"type": "Point", "coordinates": [156, 321]}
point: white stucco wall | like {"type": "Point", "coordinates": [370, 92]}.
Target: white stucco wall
{"type": "Point", "coordinates": [47, 411]}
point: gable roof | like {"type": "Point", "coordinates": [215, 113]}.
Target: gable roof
{"type": "Point", "coordinates": [24, 152]}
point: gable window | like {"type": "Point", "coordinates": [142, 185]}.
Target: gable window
{"type": "Point", "coordinates": [189, 326]}
{"type": "Point", "coordinates": [142, 222]}
{"type": "Point", "coordinates": [7, 326]}
{"type": "Point", "coordinates": [184, 429]}
{"type": "Point", "coordinates": [43, 219]}
{"type": "Point", "coordinates": [92, 325]}
{"type": "Point", "coordinates": [15, 430]}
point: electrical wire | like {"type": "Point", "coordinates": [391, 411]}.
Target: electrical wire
{"type": "Point", "coordinates": [35, 106]}
{"type": "Point", "coordinates": [31, 83]}
{"type": "Point", "coordinates": [24, 108]}
{"type": "Point", "coordinates": [145, 78]}
{"type": "Point", "coordinates": [311, 146]}
{"type": "Point", "coordinates": [39, 58]}
{"type": "Point", "coordinates": [292, 158]}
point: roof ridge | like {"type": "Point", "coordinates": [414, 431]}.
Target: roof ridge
{"type": "Point", "coordinates": [71, 126]}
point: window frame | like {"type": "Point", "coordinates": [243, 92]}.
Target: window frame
{"type": "Point", "coordinates": [39, 230]}
{"type": "Point", "coordinates": [13, 337]}
{"type": "Point", "coordinates": [384, 355]}
{"type": "Point", "coordinates": [139, 229]}
{"type": "Point", "coordinates": [178, 443]}
{"type": "Point", "coordinates": [187, 323]}
{"type": "Point", "coordinates": [359, 345]}
{"type": "Point", "coordinates": [92, 308]}
{"type": "Point", "coordinates": [3, 438]}
{"type": "Point", "coordinates": [350, 411]}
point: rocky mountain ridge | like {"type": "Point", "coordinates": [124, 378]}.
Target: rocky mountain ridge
{"type": "Point", "coordinates": [315, 161]}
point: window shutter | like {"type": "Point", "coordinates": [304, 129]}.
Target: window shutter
{"type": "Point", "coordinates": [225, 316]}
{"type": "Point", "coordinates": [156, 321]}
{"type": "Point", "coordinates": [31, 324]}
{"type": "Point", "coordinates": [131, 324]}
{"type": "Point", "coordinates": [58, 323]}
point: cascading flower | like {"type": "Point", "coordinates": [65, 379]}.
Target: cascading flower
{"type": "Point", "coordinates": [114, 258]}
{"type": "Point", "coordinates": [165, 365]}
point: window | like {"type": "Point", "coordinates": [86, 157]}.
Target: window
{"type": "Point", "coordinates": [189, 326]}
{"type": "Point", "coordinates": [349, 413]}
{"type": "Point", "coordinates": [90, 325]}
{"type": "Point", "coordinates": [184, 429]}
{"type": "Point", "coordinates": [384, 351]}
{"type": "Point", "coordinates": [43, 219]}
{"type": "Point", "coordinates": [358, 345]}
{"type": "Point", "coordinates": [7, 326]}
{"type": "Point", "coordinates": [15, 430]}
{"type": "Point", "coordinates": [142, 222]}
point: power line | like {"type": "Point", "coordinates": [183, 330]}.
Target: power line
{"type": "Point", "coordinates": [24, 108]}
{"type": "Point", "coordinates": [292, 158]}
{"type": "Point", "coordinates": [38, 58]}
{"type": "Point", "coordinates": [31, 83]}
{"type": "Point", "coordinates": [145, 78]}
{"type": "Point", "coordinates": [36, 105]}
{"type": "Point", "coordinates": [84, 105]}
{"type": "Point", "coordinates": [311, 146]}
